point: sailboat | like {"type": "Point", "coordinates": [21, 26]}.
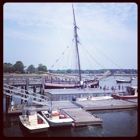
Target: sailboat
{"type": "Point", "coordinates": [68, 82]}
{"type": "Point", "coordinates": [123, 80]}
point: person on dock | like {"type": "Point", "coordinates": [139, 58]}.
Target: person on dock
{"type": "Point", "coordinates": [81, 83]}
{"type": "Point", "coordinates": [107, 88]}
{"type": "Point", "coordinates": [112, 88]}
{"type": "Point", "coordinates": [119, 87]}
{"type": "Point", "coordinates": [12, 105]}
{"type": "Point", "coordinates": [104, 88]}
{"type": "Point", "coordinates": [122, 87]}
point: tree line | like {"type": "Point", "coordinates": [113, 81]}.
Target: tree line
{"type": "Point", "coordinates": [19, 67]}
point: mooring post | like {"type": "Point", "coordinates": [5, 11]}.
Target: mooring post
{"type": "Point", "coordinates": [7, 103]}
{"type": "Point", "coordinates": [7, 80]}
{"type": "Point", "coordinates": [51, 79]}
{"type": "Point", "coordinates": [22, 87]}
{"type": "Point", "coordinates": [34, 89]}
{"type": "Point", "coordinates": [42, 86]}
{"type": "Point", "coordinates": [43, 82]}
{"type": "Point", "coordinates": [27, 86]}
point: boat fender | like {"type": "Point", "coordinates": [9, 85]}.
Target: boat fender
{"type": "Point", "coordinates": [73, 124]}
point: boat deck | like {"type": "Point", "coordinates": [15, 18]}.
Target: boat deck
{"type": "Point", "coordinates": [82, 118]}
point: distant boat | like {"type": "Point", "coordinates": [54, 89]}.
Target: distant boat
{"type": "Point", "coordinates": [132, 92]}
{"type": "Point", "coordinates": [122, 80]}
{"type": "Point", "coordinates": [133, 78]}
{"type": "Point", "coordinates": [92, 98]}
{"type": "Point", "coordinates": [33, 122]}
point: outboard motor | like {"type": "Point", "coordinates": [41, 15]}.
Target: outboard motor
{"type": "Point", "coordinates": [74, 98]}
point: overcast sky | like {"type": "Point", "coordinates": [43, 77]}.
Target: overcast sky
{"type": "Point", "coordinates": [43, 33]}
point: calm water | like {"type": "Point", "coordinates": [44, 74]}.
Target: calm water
{"type": "Point", "coordinates": [116, 123]}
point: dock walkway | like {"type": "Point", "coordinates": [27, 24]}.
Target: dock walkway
{"type": "Point", "coordinates": [79, 91]}
{"type": "Point", "coordinates": [82, 117]}
{"type": "Point", "coordinates": [91, 105]}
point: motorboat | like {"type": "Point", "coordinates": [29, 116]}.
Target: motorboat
{"type": "Point", "coordinates": [33, 121]}
{"type": "Point", "coordinates": [131, 93]}
{"type": "Point", "coordinates": [92, 98]}
{"type": "Point", "coordinates": [122, 80]}
{"type": "Point", "coordinates": [57, 117]}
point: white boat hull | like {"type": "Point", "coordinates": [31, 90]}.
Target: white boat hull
{"type": "Point", "coordinates": [35, 128]}
{"type": "Point", "coordinates": [56, 121]}
{"type": "Point", "coordinates": [95, 98]}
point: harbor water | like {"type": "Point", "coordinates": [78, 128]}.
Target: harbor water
{"type": "Point", "coordinates": [116, 123]}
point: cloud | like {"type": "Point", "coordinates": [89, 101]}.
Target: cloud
{"type": "Point", "coordinates": [102, 25]}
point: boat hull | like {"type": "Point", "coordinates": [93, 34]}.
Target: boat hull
{"type": "Point", "coordinates": [33, 131]}
{"type": "Point", "coordinates": [123, 81]}
{"type": "Point", "coordinates": [93, 84]}
{"type": "Point", "coordinates": [35, 128]}
{"type": "Point", "coordinates": [95, 98]}
{"type": "Point", "coordinates": [57, 121]}
{"type": "Point", "coordinates": [116, 96]}
{"type": "Point", "coordinates": [59, 124]}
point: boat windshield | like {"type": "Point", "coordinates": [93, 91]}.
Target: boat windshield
{"type": "Point", "coordinates": [27, 111]}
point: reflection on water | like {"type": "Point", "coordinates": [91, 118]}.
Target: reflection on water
{"type": "Point", "coordinates": [115, 123]}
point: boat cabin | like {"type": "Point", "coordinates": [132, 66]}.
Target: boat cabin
{"type": "Point", "coordinates": [132, 90]}
{"type": "Point", "coordinates": [31, 116]}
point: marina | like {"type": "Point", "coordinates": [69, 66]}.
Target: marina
{"type": "Point", "coordinates": [69, 105]}
{"type": "Point", "coordinates": [97, 108]}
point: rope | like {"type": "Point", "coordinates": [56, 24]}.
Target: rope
{"type": "Point", "coordinates": [59, 57]}
{"type": "Point", "coordinates": [103, 53]}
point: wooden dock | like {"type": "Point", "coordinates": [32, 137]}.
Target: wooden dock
{"type": "Point", "coordinates": [82, 118]}
{"type": "Point", "coordinates": [78, 110]}
{"type": "Point", "coordinates": [88, 105]}
{"type": "Point", "coordinates": [18, 108]}
{"type": "Point", "coordinates": [111, 104]}
{"type": "Point", "coordinates": [78, 91]}
{"type": "Point", "coordinates": [60, 104]}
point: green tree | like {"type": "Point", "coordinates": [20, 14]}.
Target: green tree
{"type": "Point", "coordinates": [18, 66]}
{"type": "Point", "coordinates": [31, 69]}
{"type": "Point", "coordinates": [42, 68]}
{"type": "Point", "coordinates": [68, 70]}
{"type": "Point", "coordinates": [8, 67]}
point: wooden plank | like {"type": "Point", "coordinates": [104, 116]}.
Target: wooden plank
{"type": "Point", "coordinates": [81, 117]}
{"type": "Point", "coordinates": [106, 104]}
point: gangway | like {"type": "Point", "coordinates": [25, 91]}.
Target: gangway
{"type": "Point", "coordinates": [106, 74]}
{"type": "Point", "coordinates": [26, 95]}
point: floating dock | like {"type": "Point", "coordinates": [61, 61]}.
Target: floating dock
{"type": "Point", "coordinates": [111, 104]}
{"type": "Point", "coordinates": [88, 105]}
{"type": "Point", "coordinates": [67, 94]}
{"type": "Point", "coordinates": [79, 91]}
{"type": "Point", "coordinates": [82, 118]}
{"type": "Point", "coordinates": [60, 104]}
{"type": "Point", "coordinates": [18, 108]}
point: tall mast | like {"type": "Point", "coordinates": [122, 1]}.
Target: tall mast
{"type": "Point", "coordinates": [76, 43]}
